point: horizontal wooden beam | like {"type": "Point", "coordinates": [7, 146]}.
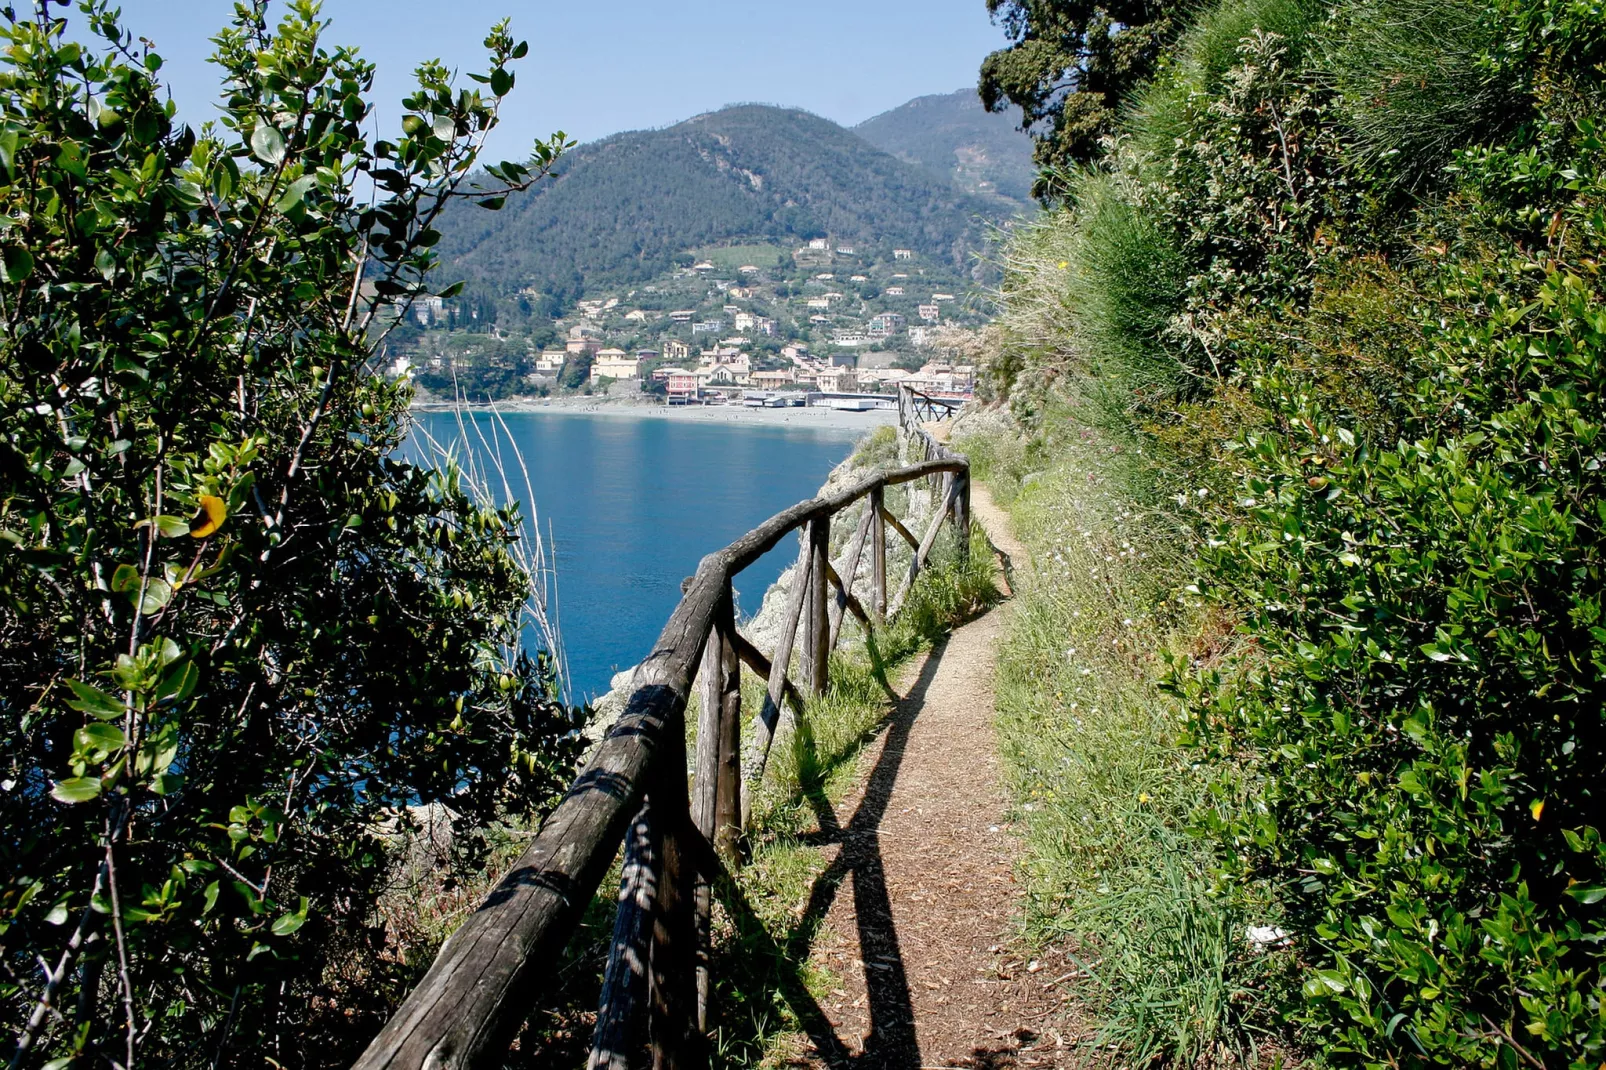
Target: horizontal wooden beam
{"type": "Point", "coordinates": [754, 659]}
{"type": "Point", "coordinates": [897, 525]}
{"type": "Point", "coordinates": [847, 596]}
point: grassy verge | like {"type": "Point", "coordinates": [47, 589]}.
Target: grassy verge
{"type": "Point", "coordinates": [1105, 795]}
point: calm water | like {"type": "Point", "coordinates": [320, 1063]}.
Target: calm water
{"type": "Point", "coordinates": [635, 504]}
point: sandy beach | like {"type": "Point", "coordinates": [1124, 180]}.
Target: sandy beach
{"type": "Point", "coordinates": [817, 418]}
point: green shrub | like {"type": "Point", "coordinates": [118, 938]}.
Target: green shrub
{"type": "Point", "coordinates": [1422, 702]}
{"type": "Point", "coordinates": [240, 637]}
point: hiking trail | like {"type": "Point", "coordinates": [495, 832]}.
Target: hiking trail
{"type": "Point", "coordinates": [919, 922]}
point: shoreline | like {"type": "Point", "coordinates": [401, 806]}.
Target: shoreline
{"type": "Point", "coordinates": [809, 417]}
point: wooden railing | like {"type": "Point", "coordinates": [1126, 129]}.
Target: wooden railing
{"type": "Point", "coordinates": [915, 408]}
{"type": "Point", "coordinates": [491, 974]}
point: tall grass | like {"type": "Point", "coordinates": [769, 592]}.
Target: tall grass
{"type": "Point", "coordinates": [1105, 795]}
{"type": "Point", "coordinates": [1092, 292]}
{"type": "Point", "coordinates": [1417, 79]}
{"type": "Point", "coordinates": [1158, 118]}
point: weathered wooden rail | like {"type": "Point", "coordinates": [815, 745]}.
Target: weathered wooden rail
{"type": "Point", "coordinates": [915, 407]}
{"type": "Point", "coordinates": [490, 975]}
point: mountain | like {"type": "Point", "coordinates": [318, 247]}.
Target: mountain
{"type": "Point", "coordinates": [620, 210]}
{"type": "Point", "coordinates": [952, 135]}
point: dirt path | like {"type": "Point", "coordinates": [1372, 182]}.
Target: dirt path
{"type": "Point", "coordinates": [919, 931]}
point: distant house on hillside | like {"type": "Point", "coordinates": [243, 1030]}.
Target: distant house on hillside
{"type": "Point", "coordinates": [930, 313]}
{"type": "Point", "coordinates": [703, 266]}
{"type": "Point", "coordinates": [683, 385]}
{"type": "Point", "coordinates": [839, 381]}
{"type": "Point", "coordinates": [684, 315]}
{"type": "Point", "coordinates": [615, 364]}
{"type": "Point", "coordinates": [550, 362]}
{"type": "Point", "coordinates": [676, 351]}
{"type": "Point", "coordinates": [819, 245]}
{"type": "Point", "coordinates": [921, 336]}
{"type": "Point", "coordinates": [942, 297]}
{"type": "Point", "coordinates": [708, 327]}
{"type": "Point", "coordinates": [845, 250]}
{"type": "Point", "coordinates": [886, 324]}
{"type": "Point", "coordinates": [903, 254]}
{"type": "Point", "coordinates": [894, 291]}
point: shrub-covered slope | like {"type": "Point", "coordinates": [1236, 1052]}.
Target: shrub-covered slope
{"type": "Point", "coordinates": [951, 134]}
{"type": "Point", "coordinates": [1340, 282]}
{"type": "Point", "coordinates": [621, 208]}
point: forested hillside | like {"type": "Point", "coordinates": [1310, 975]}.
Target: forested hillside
{"type": "Point", "coordinates": [622, 208]}
{"type": "Point", "coordinates": [951, 134]}
{"type": "Point", "coordinates": [1306, 703]}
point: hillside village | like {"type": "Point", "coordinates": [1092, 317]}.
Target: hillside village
{"type": "Point", "coordinates": [825, 316]}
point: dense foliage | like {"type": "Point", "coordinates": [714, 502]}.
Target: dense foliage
{"type": "Point", "coordinates": [1070, 67]}
{"type": "Point", "coordinates": [620, 210]}
{"type": "Point", "coordinates": [240, 638]}
{"type": "Point", "coordinates": [1343, 267]}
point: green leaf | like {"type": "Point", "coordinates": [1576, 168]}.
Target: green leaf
{"type": "Point", "coordinates": [8, 147]}
{"type": "Point", "coordinates": [76, 789]}
{"type": "Point", "coordinates": [296, 192]}
{"type": "Point", "coordinates": [167, 783]}
{"type": "Point", "coordinates": [1587, 896]}
{"type": "Point", "coordinates": [158, 592]}
{"type": "Point", "coordinates": [179, 682]}
{"type": "Point", "coordinates": [267, 144]}
{"type": "Point", "coordinates": [104, 738]}
{"type": "Point", "coordinates": [57, 914]}
{"type": "Point", "coordinates": [492, 204]}
{"type": "Point", "coordinates": [501, 81]}
{"type": "Point", "coordinates": [521, 50]}
{"type": "Point", "coordinates": [18, 264]}
{"type": "Point", "coordinates": [289, 923]}
{"type": "Point", "coordinates": [94, 701]}
{"type": "Point", "coordinates": [125, 578]}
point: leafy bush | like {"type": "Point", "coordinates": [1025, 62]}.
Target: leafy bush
{"type": "Point", "coordinates": [1423, 700]}
{"type": "Point", "coordinates": [1397, 415]}
{"type": "Point", "coordinates": [239, 636]}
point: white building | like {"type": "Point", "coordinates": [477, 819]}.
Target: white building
{"type": "Point", "coordinates": [615, 364]}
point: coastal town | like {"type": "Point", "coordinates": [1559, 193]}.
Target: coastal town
{"type": "Point", "coordinates": [824, 323]}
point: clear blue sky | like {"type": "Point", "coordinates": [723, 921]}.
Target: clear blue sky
{"type": "Point", "coordinates": [600, 66]}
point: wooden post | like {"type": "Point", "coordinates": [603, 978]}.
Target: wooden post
{"type": "Point", "coordinates": [675, 1020]}
{"type": "Point", "coordinates": [728, 786]}
{"type": "Point", "coordinates": [918, 561]}
{"type": "Point", "coordinates": [878, 554]}
{"type": "Point", "coordinates": [624, 988]}
{"type": "Point", "coordinates": [962, 513]}
{"type": "Point", "coordinates": [816, 651]}
{"type": "Point", "coordinates": [769, 717]}
{"type": "Point", "coordinates": [719, 666]}
{"type": "Point", "coordinates": [850, 569]}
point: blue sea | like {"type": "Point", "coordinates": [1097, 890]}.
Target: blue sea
{"type": "Point", "coordinates": [633, 504]}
